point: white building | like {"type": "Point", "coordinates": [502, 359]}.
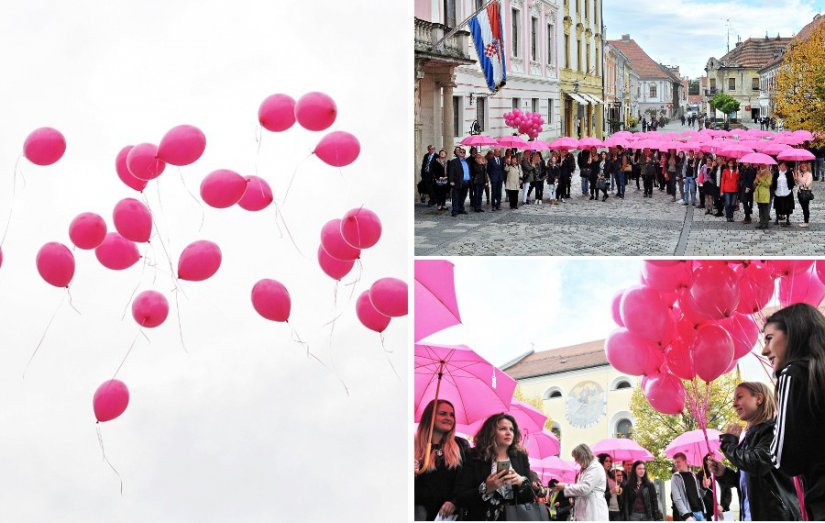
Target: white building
{"type": "Point", "coordinates": [657, 86]}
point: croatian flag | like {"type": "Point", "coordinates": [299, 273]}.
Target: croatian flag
{"type": "Point", "coordinates": [487, 36]}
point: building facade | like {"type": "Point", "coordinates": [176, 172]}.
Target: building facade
{"type": "Point", "coordinates": [612, 109]}
{"type": "Point", "coordinates": [634, 93]}
{"type": "Point", "coordinates": [658, 89]}
{"type": "Point", "coordinates": [581, 59]}
{"type": "Point", "coordinates": [618, 81]}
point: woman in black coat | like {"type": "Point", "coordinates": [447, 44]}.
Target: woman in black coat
{"type": "Point", "coordinates": [440, 182]}
{"type": "Point", "coordinates": [640, 502]}
{"type": "Point", "coordinates": [765, 493]}
{"type": "Point", "coordinates": [782, 192]}
{"type": "Point", "coordinates": [496, 472]}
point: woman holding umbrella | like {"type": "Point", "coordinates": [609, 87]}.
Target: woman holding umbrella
{"type": "Point", "coordinates": [765, 493]}
{"type": "Point", "coordinates": [805, 181]}
{"type": "Point", "coordinates": [589, 504]}
{"type": "Point", "coordinates": [434, 488]}
{"type": "Point", "coordinates": [496, 473]}
{"type": "Point", "coordinates": [762, 195]}
{"type": "Point", "coordinates": [782, 189]}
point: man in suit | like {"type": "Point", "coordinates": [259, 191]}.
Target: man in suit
{"type": "Point", "coordinates": [426, 183]}
{"type": "Point", "coordinates": [495, 170]}
{"type": "Point", "coordinates": [458, 173]}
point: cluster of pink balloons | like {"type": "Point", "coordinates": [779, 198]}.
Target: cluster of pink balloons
{"type": "Point", "coordinates": [137, 164]}
{"type": "Point", "coordinates": [385, 299]}
{"type": "Point", "coordinates": [694, 318]}
{"type": "Point", "coordinates": [526, 123]}
{"type": "Point", "coordinates": [315, 112]}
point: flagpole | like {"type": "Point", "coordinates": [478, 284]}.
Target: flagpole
{"type": "Point", "coordinates": [439, 43]}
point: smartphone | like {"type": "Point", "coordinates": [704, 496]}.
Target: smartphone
{"type": "Point", "coordinates": [502, 465]}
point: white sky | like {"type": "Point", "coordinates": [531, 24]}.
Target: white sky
{"type": "Point", "coordinates": [242, 427]}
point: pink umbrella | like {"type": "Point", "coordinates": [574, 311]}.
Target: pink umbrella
{"type": "Point", "coordinates": [616, 141]}
{"type": "Point", "coordinates": [689, 146]}
{"type": "Point", "coordinates": [805, 135]}
{"type": "Point", "coordinates": [513, 141]}
{"type": "Point", "coordinates": [622, 449]}
{"type": "Point", "coordinates": [436, 306]}
{"type": "Point", "coordinates": [565, 143]}
{"type": "Point", "coordinates": [479, 139]}
{"type": "Point", "coordinates": [789, 139]}
{"type": "Point", "coordinates": [622, 134]}
{"type": "Point", "coordinates": [757, 158]}
{"type": "Point", "coordinates": [799, 155]}
{"type": "Point", "coordinates": [538, 145]}
{"type": "Point", "coordinates": [529, 418]}
{"type": "Point", "coordinates": [692, 444]}
{"type": "Point", "coordinates": [734, 150]}
{"type": "Point", "coordinates": [775, 148]}
{"type": "Point", "coordinates": [541, 444]}
{"type": "Point", "coordinates": [553, 467]}
{"type": "Point", "coordinates": [589, 141]}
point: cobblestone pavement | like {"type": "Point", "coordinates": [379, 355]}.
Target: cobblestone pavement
{"type": "Point", "coordinates": [635, 226]}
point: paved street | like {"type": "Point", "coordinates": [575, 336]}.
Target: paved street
{"type": "Point", "coordinates": [635, 226]}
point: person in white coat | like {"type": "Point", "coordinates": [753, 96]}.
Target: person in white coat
{"type": "Point", "coordinates": [588, 491]}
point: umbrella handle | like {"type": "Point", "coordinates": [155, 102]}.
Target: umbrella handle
{"type": "Point", "coordinates": [426, 464]}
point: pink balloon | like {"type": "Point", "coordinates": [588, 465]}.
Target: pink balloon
{"type": "Point", "coordinates": [182, 145]}
{"type": "Point", "coordinates": [223, 188]}
{"type": "Point", "coordinates": [368, 315]}
{"type": "Point", "coordinates": [125, 174]}
{"type": "Point", "coordinates": [110, 400]}
{"type": "Point", "coordinates": [87, 230]}
{"type": "Point", "coordinates": [644, 313]}
{"type": "Point", "coordinates": [271, 300]}
{"type": "Point", "coordinates": [668, 278]}
{"type": "Point", "coordinates": [44, 146]}
{"type": "Point", "coordinates": [338, 148]}
{"type": "Point", "coordinates": [628, 352]}
{"type": "Point", "coordinates": [788, 267]}
{"type": "Point", "coordinates": [199, 261]}
{"type": "Point", "coordinates": [679, 358]}
{"type": "Point", "coordinates": [389, 297]}
{"type": "Point", "coordinates": [334, 243]}
{"type": "Point", "coordinates": [614, 309]}
{"type": "Point", "coordinates": [1, 257]}
{"type": "Point", "coordinates": [820, 270]}
{"type": "Point", "coordinates": [712, 351]}
{"type": "Point", "coordinates": [143, 162]}
{"type": "Point", "coordinates": [257, 195]}
{"type": "Point", "coordinates": [334, 268]}
{"type": "Point", "coordinates": [743, 331]}
{"type": "Point", "coordinates": [133, 220]}
{"type": "Point", "coordinates": [150, 309]}
{"type": "Point", "coordinates": [665, 393]}
{"type": "Point", "coordinates": [315, 111]}
{"type": "Point", "coordinates": [802, 287]}
{"type": "Point", "coordinates": [116, 252]}
{"type": "Point", "coordinates": [55, 263]}
{"type": "Point", "coordinates": [361, 228]}
{"type": "Point", "coordinates": [756, 287]}
{"type": "Point", "coordinates": [277, 112]}
{"type": "Point", "coordinates": [715, 288]}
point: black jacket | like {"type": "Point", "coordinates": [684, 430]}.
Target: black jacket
{"type": "Point", "coordinates": [475, 472]}
{"type": "Point", "coordinates": [771, 494]}
{"type": "Point", "coordinates": [495, 170]}
{"type": "Point", "coordinates": [651, 501]}
{"type": "Point", "coordinates": [788, 177]}
{"type": "Point", "coordinates": [455, 172]}
{"type": "Point", "coordinates": [427, 163]}
{"type": "Point", "coordinates": [432, 489]}
{"type": "Point", "coordinates": [723, 496]}
{"type": "Point", "coordinates": [798, 448]}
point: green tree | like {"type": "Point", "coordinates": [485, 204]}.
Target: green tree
{"type": "Point", "coordinates": [725, 103]}
{"type": "Point", "coordinates": [654, 430]}
{"type": "Point", "coordinates": [693, 87]}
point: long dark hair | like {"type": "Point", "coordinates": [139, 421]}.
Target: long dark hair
{"type": "Point", "coordinates": [804, 328]}
{"type": "Point", "coordinates": [631, 483]}
{"type": "Point", "coordinates": [485, 439]}
{"type": "Point", "coordinates": [602, 459]}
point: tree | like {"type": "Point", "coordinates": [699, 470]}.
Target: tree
{"type": "Point", "coordinates": [693, 87]}
{"type": "Point", "coordinates": [800, 84]}
{"type": "Point", "coordinates": [654, 430]}
{"type": "Point", "coordinates": [725, 103]}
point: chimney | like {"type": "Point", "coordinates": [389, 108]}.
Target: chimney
{"type": "Point", "coordinates": [736, 44]}
{"type": "Point", "coordinates": [625, 37]}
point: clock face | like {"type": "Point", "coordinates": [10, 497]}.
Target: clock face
{"type": "Point", "coordinates": [585, 404]}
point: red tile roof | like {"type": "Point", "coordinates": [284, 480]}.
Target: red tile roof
{"type": "Point", "coordinates": [755, 53]}
{"type": "Point", "coordinates": [803, 35]}
{"type": "Point", "coordinates": [554, 361]}
{"type": "Point", "coordinates": [640, 60]}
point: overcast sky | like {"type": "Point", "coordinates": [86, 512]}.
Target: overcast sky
{"type": "Point", "coordinates": [688, 32]}
{"type": "Point", "coordinates": [242, 427]}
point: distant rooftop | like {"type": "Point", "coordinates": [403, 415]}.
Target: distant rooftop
{"type": "Point", "coordinates": [554, 361]}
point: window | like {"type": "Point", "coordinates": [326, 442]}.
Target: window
{"type": "Point", "coordinates": [514, 15]}
{"type": "Point", "coordinates": [713, 84]}
{"type": "Point", "coordinates": [587, 8]}
{"type": "Point", "coordinates": [653, 91]}
{"type": "Point", "coordinates": [457, 130]}
{"type": "Point", "coordinates": [598, 63]}
{"type": "Point", "coordinates": [731, 84]}
{"type": "Point", "coordinates": [552, 392]}
{"type": "Point", "coordinates": [588, 58]}
{"type": "Point", "coordinates": [516, 103]}
{"type": "Point", "coordinates": [534, 103]}
{"type": "Point", "coordinates": [567, 51]}
{"type": "Point", "coordinates": [449, 13]}
{"type": "Point", "coordinates": [755, 84]}
{"type": "Point", "coordinates": [622, 385]}
{"type": "Point", "coordinates": [534, 38]}
{"type": "Point", "coordinates": [481, 112]}
{"type": "Point", "coordinates": [549, 44]}
{"type": "Point", "coordinates": [549, 110]}
{"type": "Point", "coordinates": [624, 428]}
{"type": "Point", "coordinates": [579, 51]}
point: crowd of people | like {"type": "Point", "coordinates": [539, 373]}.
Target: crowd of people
{"type": "Point", "coordinates": [722, 186]}
{"type": "Point", "coordinates": [778, 461]}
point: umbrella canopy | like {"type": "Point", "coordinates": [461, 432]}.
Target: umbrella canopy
{"type": "Point", "coordinates": [436, 306]}
{"type": "Point", "coordinates": [479, 139]}
{"type": "Point", "coordinates": [529, 418]}
{"type": "Point", "coordinates": [803, 134]}
{"type": "Point", "coordinates": [734, 150]}
{"type": "Point", "coordinates": [538, 145]}
{"type": "Point", "coordinates": [565, 143]}
{"type": "Point", "coordinates": [472, 384]}
{"type": "Point", "coordinates": [799, 155]}
{"type": "Point", "coordinates": [554, 467]}
{"type": "Point", "coordinates": [622, 449]}
{"type": "Point", "coordinates": [513, 141]}
{"type": "Point", "coordinates": [541, 444]}
{"type": "Point", "coordinates": [692, 444]}
{"type": "Point", "coordinates": [757, 158]}
{"type": "Point", "coordinates": [616, 141]}
{"type": "Point", "coordinates": [775, 148]}
{"type": "Point", "coordinates": [589, 141]}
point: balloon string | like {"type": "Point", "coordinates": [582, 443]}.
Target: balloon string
{"type": "Point", "coordinates": [355, 282]}
{"type": "Point", "coordinates": [259, 139]}
{"type": "Point", "coordinates": [383, 346]}
{"type": "Point", "coordinates": [194, 198]}
{"type": "Point", "coordinates": [280, 214]}
{"type": "Point", "coordinates": [13, 197]}
{"type": "Point", "coordinates": [387, 356]}
{"type": "Point", "coordinates": [335, 294]}
{"type": "Point", "coordinates": [297, 339]}
{"type": "Point", "coordinates": [134, 291]}
{"type": "Point", "coordinates": [43, 336]}
{"type": "Point", "coordinates": [292, 179]}
{"type": "Point", "coordinates": [103, 452]}
{"type": "Point", "coordinates": [180, 323]}
{"type": "Point", "coordinates": [132, 346]}
{"type": "Point", "coordinates": [69, 293]}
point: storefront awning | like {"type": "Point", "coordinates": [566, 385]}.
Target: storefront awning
{"type": "Point", "coordinates": [595, 100]}
{"type": "Point", "coordinates": [578, 98]}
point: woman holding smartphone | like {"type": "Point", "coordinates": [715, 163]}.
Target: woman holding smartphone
{"type": "Point", "coordinates": [496, 472]}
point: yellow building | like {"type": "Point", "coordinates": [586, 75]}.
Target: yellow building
{"type": "Point", "coordinates": [581, 69]}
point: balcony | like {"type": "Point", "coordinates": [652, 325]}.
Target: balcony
{"type": "Point", "coordinates": [454, 49]}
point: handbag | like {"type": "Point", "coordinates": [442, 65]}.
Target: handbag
{"type": "Point", "coordinates": [805, 195]}
{"type": "Point", "coordinates": [526, 512]}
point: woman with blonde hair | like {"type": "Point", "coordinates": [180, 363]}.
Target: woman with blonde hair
{"type": "Point", "coordinates": [588, 491]}
{"type": "Point", "coordinates": [435, 485]}
{"type": "Point", "coordinates": [765, 492]}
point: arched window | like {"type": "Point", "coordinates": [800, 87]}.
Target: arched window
{"type": "Point", "coordinates": [622, 382]}
{"type": "Point", "coordinates": [551, 393]}
{"type": "Point", "coordinates": [622, 385]}
{"type": "Point", "coordinates": [556, 430]}
{"type": "Point", "coordinates": [624, 428]}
